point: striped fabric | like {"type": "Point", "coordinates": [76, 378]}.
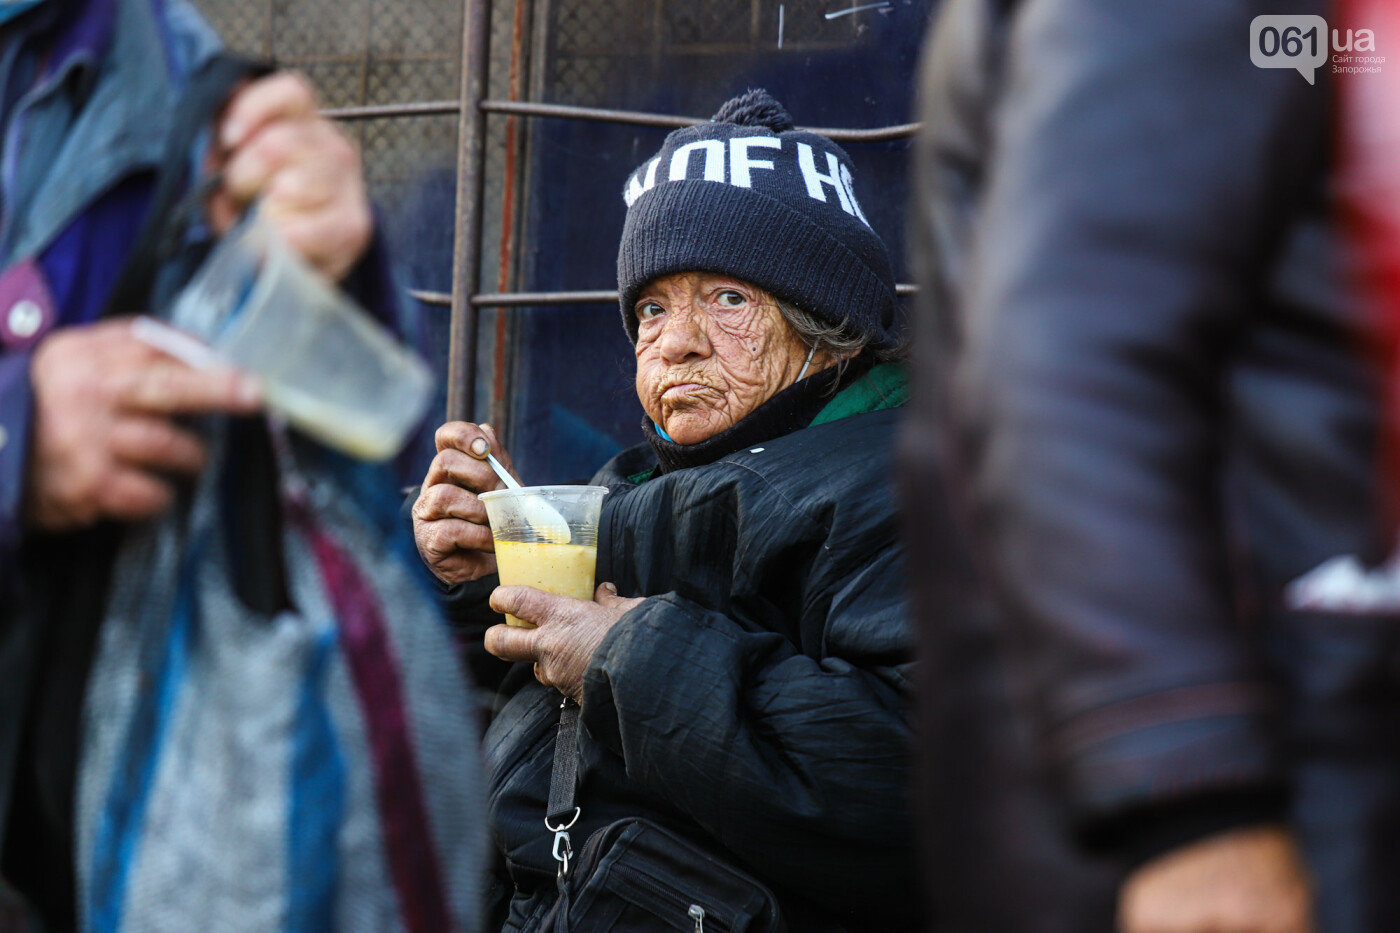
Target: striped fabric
{"type": "Point", "coordinates": [316, 770]}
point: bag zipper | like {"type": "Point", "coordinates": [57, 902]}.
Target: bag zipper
{"type": "Point", "coordinates": [665, 899]}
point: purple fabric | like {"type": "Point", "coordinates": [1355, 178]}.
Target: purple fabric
{"type": "Point", "coordinates": [412, 859]}
{"type": "Point", "coordinates": [27, 310]}
{"type": "Point", "coordinates": [77, 271]}
{"type": "Point", "coordinates": [87, 31]}
{"type": "Point", "coordinates": [82, 264]}
{"type": "Point", "coordinates": [27, 313]}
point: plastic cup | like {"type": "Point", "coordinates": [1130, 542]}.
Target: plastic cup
{"type": "Point", "coordinates": [546, 537]}
{"type": "Point", "coordinates": [327, 367]}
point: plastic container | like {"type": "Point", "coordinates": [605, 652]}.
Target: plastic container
{"type": "Point", "coordinates": [546, 537]}
{"type": "Point", "coordinates": [327, 367]}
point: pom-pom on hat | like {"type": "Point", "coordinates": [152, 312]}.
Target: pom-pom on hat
{"type": "Point", "coordinates": [749, 196]}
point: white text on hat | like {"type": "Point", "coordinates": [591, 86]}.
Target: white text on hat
{"type": "Point", "coordinates": [741, 165]}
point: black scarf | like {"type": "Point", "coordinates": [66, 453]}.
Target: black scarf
{"type": "Point", "coordinates": [790, 410]}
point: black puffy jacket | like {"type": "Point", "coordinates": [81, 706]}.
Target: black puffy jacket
{"type": "Point", "coordinates": [1160, 418]}
{"type": "Point", "coordinates": [758, 698]}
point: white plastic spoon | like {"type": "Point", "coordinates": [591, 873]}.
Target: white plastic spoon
{"type": "Point", "coordinates": [505, 477]}
{"type": "Point", "coordinates": [542, 517]}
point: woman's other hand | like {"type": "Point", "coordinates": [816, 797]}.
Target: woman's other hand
{"type": "Point", "coordinates": [449, 521]}
{"type": "Point", "coordinates": [567, 631]}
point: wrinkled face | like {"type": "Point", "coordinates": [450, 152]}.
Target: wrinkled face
{"type": "Point", "coordinates": [711, 349]}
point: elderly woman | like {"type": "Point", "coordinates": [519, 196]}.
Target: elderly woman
{"type": "Point", "coordinates": [741, 674]}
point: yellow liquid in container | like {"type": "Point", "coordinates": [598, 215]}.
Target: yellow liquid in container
{"type": "Point", "coordinates": [566, 569]}
{"type": "Point", "coordinates": [345, 429]}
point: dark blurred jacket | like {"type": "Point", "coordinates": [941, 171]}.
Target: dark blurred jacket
{"type": "Point", "coordinates": [1135, 339]}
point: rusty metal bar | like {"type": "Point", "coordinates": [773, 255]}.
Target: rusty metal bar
{"type": "Point", "coordinates": [525, 299]}
{"type": "Point", "coordinates": [520, 299]}
{"type": "Point", "coordinates": [426, 108]}
{"type": "Point", "coordinates": [510, 233]}
{"type": "Point", "coordinates": [637, 118]}
{"type": "Point", "coordinates": [543, 299]}
{"type": "Point", "coordinates": [466, 251]}
{"type": "Point", "coordinates": [595, 114]}
{"type": "Point", "coordinates": [873, 135]}
{"type": "Point", "coordinates": [598, 115]}
{"type": "Point", "coordinates": [444, 299]}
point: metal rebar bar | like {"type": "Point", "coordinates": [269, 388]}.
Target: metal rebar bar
{"type": "Point", "coordinates": [593, 114]}
{"type": "Point", "coordinates": [872, 135]}
{"type": "Point", "coordinates": [466, 250]}
{"type": "Point", "coordinates": [545, 299]}
{"type": "Point", "coordinates": [638, 118]}
{"type": "Point", "coordinates": [526, 299]}
{"type": "Point", "coordinates": [444, 299]}
{"type": "Point", "coordinates": [424, 108]}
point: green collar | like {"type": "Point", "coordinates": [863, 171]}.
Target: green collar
{"type": "Point", "coordinates": [885, 386]}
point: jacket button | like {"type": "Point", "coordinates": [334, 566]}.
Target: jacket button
{"type": "Point", "coordinates": [25, 319]}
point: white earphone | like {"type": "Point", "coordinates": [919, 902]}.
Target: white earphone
{"type": "Point", "coordinates": [805, 363]}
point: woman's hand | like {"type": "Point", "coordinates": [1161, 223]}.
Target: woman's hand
{"type": "Point", "coordinates": [567, 631]}
{"type": "Point", "coordinates": [449, 521]}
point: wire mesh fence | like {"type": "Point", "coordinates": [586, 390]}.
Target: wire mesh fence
{"type": "Point", "coordinates": [361, 52]}
{"type": "Point", "coordinates": [376, 52]}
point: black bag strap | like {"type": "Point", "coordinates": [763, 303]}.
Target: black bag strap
{"type": "Point", "coordinates": [205, 94]}
{"type": "Point", "coordinates": [564, 778]}
{"type": "Point", "coordinates": [563, 812]}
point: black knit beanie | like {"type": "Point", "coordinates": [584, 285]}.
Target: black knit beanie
{"type": "Point", "coordinates": [749, 196]}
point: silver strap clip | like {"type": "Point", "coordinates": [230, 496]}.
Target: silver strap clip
{"type": "Point", "coordinates": [563, 847]}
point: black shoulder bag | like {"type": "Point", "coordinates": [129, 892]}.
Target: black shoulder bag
{"type": "Point", "coordinates": [635, 876]}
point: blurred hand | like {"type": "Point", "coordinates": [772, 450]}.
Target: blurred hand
{"type": "Point", "coordinates": [567, 631]}
{"type": "Point", "coordinates": [105, 441]}
{"type": "Point", "coordinates": [449, 521]}
{"type": "Point", "coordinates": [273, 143]}
{"type": "Point", "coordinates": [1245, 881]}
